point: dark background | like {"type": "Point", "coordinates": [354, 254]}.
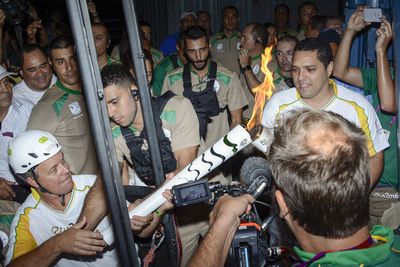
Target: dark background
{"type": "Point", "coordinates": [164, 15]}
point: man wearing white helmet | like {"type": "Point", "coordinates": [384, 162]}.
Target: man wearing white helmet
{"type": "Point", "coordinates": [43, 231]}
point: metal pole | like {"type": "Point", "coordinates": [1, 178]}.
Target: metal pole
{"type": "Point", "coordinates": [396, 51]}
{"type": "Point", "coordinates": [135, 43]}
{"type": "Point", "coordinates": [94, 94]}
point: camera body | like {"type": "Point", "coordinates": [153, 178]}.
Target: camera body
{"type": "Point", "coordinates": [203, 191]}
{"type": "Point", "coordinates": [250, 243]}
{"type": "Point", "coordinates": [372, 14]}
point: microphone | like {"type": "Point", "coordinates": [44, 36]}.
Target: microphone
{"type": "Point", "coordinates": [256, 175]}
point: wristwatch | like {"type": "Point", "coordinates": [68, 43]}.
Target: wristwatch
{"type": "Point", "coordinates": [245, 68]}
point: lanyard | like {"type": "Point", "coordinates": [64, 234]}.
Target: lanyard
{"type": "Point", "coordinates": [366, 244]}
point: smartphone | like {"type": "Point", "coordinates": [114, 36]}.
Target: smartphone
{"type": "Point", "coordinates": [372, 14]}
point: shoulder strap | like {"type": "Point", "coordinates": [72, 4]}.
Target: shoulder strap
{"type": "Point", "coordinates": [161, 101]}
{"type": "Point", "coordinates": [187, 80]}
{"type": "Point", "coordinates": [173, 59]}
{"type": "Point", "coordinates": [212, 75]}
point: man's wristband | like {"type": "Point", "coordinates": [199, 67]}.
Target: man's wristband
{"type": "Point", "coordinates": [245, 68]}
{"type": "Point", "coordinates": [158, 212]}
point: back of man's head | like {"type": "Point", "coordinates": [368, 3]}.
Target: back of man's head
{"type": "Point", "coordinates": [194, 33]}
{"type": "Point", "coordinates": [259, 33]}
{"type": "Point", "coordinates": [324, 51]}
{"type": "Point", "coordinates": [318, 23]}
{"type": "Point", "coordinates": [116, 74]}
{"type": "Point", "coordinates": [320, 163]}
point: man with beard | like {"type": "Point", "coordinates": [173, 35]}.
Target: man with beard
{"type": "Point", "coordinates": [62, 110]}
{"type": "Point", "coordinates": [212, 89]}
{"type": "Point", "coordinates": [36, 71]}
{"type": "Point", "coordinates": [216, 87]}
{"type": "Point", "coordinates": [284, 53]}
{"type": "Point", "coordinates": [225, 45]}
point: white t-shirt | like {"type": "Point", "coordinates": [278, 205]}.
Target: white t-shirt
{"type": "Point", "coordinates": [35, 223]}
{"type": "Point", "coordinates": [21, 90]}
{"type": "Point", "coordinates": [13, 124]}
{"type": "Point", "coordinates": [351, 105]}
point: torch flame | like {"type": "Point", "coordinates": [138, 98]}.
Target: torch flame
{"type": "Point", "coordinates": [262, 92]}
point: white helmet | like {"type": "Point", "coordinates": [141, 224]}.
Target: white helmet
{"type": "Point", "coordinates": [30, 149]}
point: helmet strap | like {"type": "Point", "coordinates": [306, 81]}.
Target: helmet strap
{"type": "Point", "coordinates": [44, 190]}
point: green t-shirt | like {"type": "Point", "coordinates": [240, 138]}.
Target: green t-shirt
{"type": "Point", "coordinates": [161, 71]}
{"type": "Point", "coordinates": [389, 175]}
{"type": "Point", "coordinates": [385, 254]}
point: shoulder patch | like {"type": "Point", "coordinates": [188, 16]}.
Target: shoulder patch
{"type": "Point", "coordinates": [59, 103]}
{"type": "Point", "coordinates": [168, 115]}
{"type": "Point", "coordinates": [175, 76]}
{"type": "Point", "coordinates": [166, 64]}
{"type": "Point", "coordinates": [116, 131]}
{"type": "Point", "coordinates": [224, 78]}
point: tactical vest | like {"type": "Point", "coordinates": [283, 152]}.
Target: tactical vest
{"type": "Point", "coordinates": [205, 103]}
{"type": "Point", "coordinates": [141, 157]}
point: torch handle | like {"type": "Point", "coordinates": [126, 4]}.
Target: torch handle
{"type": "Point", "coordinates": [234, 141]}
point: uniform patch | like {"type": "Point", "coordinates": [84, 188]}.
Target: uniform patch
{"type": "Point", "coordinates": [75, 108]}
{"type": "Point", "coordinates": [256, 69]}
{"type": "Point", "coordinates": [220, 46]}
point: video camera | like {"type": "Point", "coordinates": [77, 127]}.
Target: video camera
{"type": "Point", "coordinates": [250, 244]}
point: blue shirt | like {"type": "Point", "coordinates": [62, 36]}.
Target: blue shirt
{"type": "Point", "coordinates": [168, 45]}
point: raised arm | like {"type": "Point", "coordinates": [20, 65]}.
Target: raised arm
{"type": "Point", "coordinates": [251, 79]}
{"type": "Point", "coordinates": [386, 91]}
{"type": "Point", "coordinates": [224, 221]}
{"type": "Point", "coordinates": [342, 70]}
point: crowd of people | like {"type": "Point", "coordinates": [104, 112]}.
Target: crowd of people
{"type": "Point", "coordinates": [333, 156]}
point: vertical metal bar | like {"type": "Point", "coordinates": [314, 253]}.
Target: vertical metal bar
{"type": "Point", "coordinates": [94, 94]}
{"type": "Point", "coordinates": [135, 43]}
{"type": "Point", "coordinates": [396, 51]}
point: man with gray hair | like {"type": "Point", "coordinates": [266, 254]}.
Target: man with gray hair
{"type": "Point", "coordinates": [319, 161]}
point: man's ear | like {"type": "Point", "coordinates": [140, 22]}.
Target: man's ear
{"type": "Point", "coordinates": [108, 43]}
{"type": "Point", "coordinates": [21, 73]}
{"type": "Point", "coordinates": [329, 68]}
{"type": "Point", "coordinates": [283, 209]}
{"type": "Point", "coordinates": [49, 60]}
{"type": "Point", "coordinates": [32, 182]}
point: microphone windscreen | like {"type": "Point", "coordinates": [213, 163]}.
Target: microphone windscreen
{"type": "Point", "coordinates": [254, 167]}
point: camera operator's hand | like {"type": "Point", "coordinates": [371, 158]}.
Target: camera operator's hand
{"type": "Point", "coordinates": [169, 205]}
{"type": "Point", "coordinates": [229, 209]}
{"type": "Point", "coordinates": [224, 222]}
